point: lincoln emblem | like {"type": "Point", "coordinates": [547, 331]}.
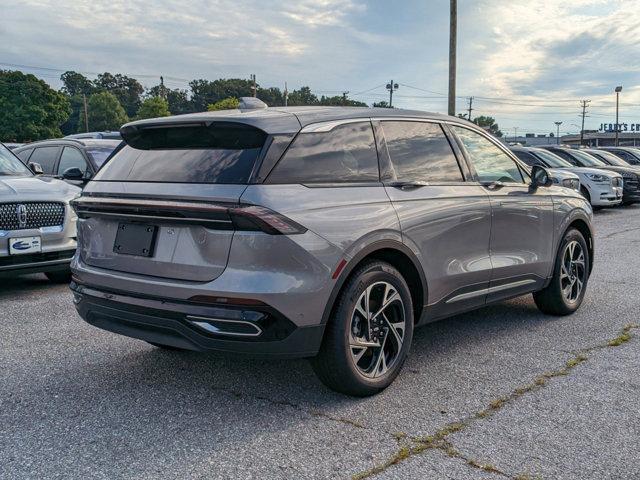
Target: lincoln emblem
{"type": "Point", "coordinates": [21, 211]}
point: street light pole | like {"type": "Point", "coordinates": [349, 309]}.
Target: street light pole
{"type": "Point", "coordinates": [618, 90]}
{"type": "Point", "coordinates": [453, 34]}
{"type": "Point", "coordinates": [558, 132]}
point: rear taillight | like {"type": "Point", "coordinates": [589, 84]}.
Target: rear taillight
{"type": "Point", "coordinates": [253, 217]}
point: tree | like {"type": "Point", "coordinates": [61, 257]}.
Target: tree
{"type": "Point", "coordinates": [303, 97]}
{"type": "Point", "coordinates": [72, 124]}
{"type": "Point", "coordinates": [272, 96]}
{"type": "Point", "coordinates": [488, 123]}
{"type": "Point", "coordinates": [153, 107]}
{"type": "Point", "coordinates": [29, 108]}
{"type": "Point", "coordinates": [177, 99]}
{"type": "Point", "coordinates": [339, 100]}
{"type": "Point", "coordinates": [126, 89]}
{"type": "Point", "coordinates": [381, 104]}
{"type": "Point", "coordinates": [204, 92]}
{"type": "Point", "coordinates": [226, 104]}
{"type": "Point", "coordinates": [74, 83]}
{"type": "Point", "coordinates": [105, 113]}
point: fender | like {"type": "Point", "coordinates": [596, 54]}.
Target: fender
{"type": "Point", "coordinates": [361, 254]}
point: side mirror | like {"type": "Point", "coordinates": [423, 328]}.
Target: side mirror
{"type": "Point", "coordinates": [73, 173]}
{"type": "Point", "coordinates": [540, 177]}
{"type": "Point", "coordinates": [36, 168]}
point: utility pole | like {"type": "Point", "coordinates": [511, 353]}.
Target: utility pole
{"type": "Point", "coordinates": [515, 134]}
{"type": "Point", "coordinates": [618, 90]}
{"type": "Point", "coordinates": [286, 94]}
{"type": "Point", "coordinates": [391, 87]}
{"type": "Point", "coordinates": [344, 98]}
{"type": "Point", "coordinates": [453, 33]}
{"type": "Point", "coordinates": [470, 108]}
{"type": "Point", "coordinates": [253, 86]}
{"type": "Point", "coordinates": [558, 132]}
{"type": "Point", "coordinates": [584, 104]}
{"type": "Point", "coordinates": [86, 113]}
{"type": "Point", "coordinates": [163, 93]}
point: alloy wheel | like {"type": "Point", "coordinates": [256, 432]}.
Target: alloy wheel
{"type": "Point", "coordinates": [573, 271]}
{"type": "Point", "coordinates": [377, 330]}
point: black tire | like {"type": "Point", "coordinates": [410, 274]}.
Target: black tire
{"type": "Point", "coordinates": [63, 276]}
{"type": "Point", "coordinates": [166, 347]}
{"type": "Point", "coordinates": [552, 300]}
{"type": "Point", "coordinates": [585, 194]}
{"type": "Point", "coordinates": [334, 364]}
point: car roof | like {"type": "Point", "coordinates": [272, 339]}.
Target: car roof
{"type": "Point", "coordinates": [78, 142]}
{"type": "Point", "coordinates": [290, 119]}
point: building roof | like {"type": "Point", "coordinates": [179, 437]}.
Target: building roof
{"type": "Point", "coordinates": [287, 119]}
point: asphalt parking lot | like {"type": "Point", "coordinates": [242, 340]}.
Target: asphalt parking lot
{"type": "Point", "coordinates": [500, 392]}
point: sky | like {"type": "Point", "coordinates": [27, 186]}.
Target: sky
{"type": "Point", "coordinates": [528, 63]}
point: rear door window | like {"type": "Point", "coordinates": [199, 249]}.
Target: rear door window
{"type": "Point", "coordinates": [223, 153]}
{"type": "Point", "coordinates": [421, 151]}
{"type": "Point", "coordinates": [46, 157]}
{"type": "Point", "coordinates": [346, 153]}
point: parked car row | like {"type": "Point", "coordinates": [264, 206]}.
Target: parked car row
{"type": "Point", "coordinates": [606, 179]}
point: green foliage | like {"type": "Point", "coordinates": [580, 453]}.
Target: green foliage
{"type": "Point", "coordinates": [153, 107]}
{"type": "Point", "coordinates": [303, 97]}
{"type": "Point", "coordinates": [205, 92]}
{"type": "Point", "coordinates": [126, 89]}
{"type": "Point", "coordinates": [488, 123]}
{"type": "Point", "coordinates": [71, 125]}
{"type": "Point", "coordinates": [177, 99]}
{"type": "Point", "coordinates": [226, 104]}
{"type": "Point", "coordinates": [339, 100]}
{"type": "Point", "coordinates": [104, 113]}
{"type": "Point", "coordinates": [29, 108]}
{"type": "Point", "coordinates": [74, 83]}
{"type": "Point", "coordinates": [381, 104]}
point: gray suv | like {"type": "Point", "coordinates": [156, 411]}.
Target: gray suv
{"type": "Point", "coordinates": [327, 233]}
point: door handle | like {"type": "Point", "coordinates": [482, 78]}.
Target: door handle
{"type": "Point", "coordinates": [497, 185]}
{"type": "Point", "coordinates": [408, 185]}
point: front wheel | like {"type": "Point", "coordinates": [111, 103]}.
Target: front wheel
{"type": "Point", "coordinates": [565, 293]}
{"type": "Point", "coordinates": [369, 334]}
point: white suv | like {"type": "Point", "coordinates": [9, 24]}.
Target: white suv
{"type": "Point", "coordinates": [37, 225]}
{"type": "Point", "coordinates": [602, 188]}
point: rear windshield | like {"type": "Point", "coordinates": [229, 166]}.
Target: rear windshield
{"type": "Point", "coordinates": [220, 153]}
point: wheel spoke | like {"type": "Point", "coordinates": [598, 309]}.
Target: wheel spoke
{"type": "Point", "coordinates": [394, 329]}
{"type": "Point", "coordinates": [381, 363]}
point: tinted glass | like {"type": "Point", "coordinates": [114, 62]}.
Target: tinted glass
{"type": "Point", "coordinates": [71, 158]}
{"type": "Point", "coordinates": [565, 155]}
{"type": "Point", "coordinates": [608, 157]}
{"type": "Point", "coordinates": [46, 157]}
{"type": "Point", "coordinates": [221, 153]}
{"type": "Point", "coordinates": [24, 154]}
{"type": "Point", "coordinates": [527, 158]}
{"type": "Point", "coordinates": [421, 151]}
{"type": "Point", "coordinates": [628, 157]}
{"type": "Point", "coordinates": [10, 165]}
{"type": "Point", "coordinates": [551, 160]}
{"type": "Point", "coordinates": [491, 163]}
{"type": "Point", "coordinates": [586, 160]}
{"type": "Point", "coordinates": [347, 153]}
{"type": "Point", "coordinates": [99, 154]}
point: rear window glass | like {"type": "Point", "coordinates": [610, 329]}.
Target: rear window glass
{"type": "Point", "coordinates": [347, 153]}
{"type": "Point", "coordinates": [99, 154]}
{"type": "Point", "coordinates": [421, 151]}
{"type": "Point", "coordinates": [221, 153]}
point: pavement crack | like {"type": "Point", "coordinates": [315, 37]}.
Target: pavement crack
{"type": "Point", "coordinates": [439, 440]}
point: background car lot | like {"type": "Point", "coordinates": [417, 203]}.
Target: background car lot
{"type": "Point", "coordinates": [77, 402]}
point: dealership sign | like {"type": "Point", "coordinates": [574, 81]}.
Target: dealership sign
{"type": "Point", "coordinates": [622, 127]}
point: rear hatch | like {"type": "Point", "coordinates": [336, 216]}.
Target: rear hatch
{"type": "Point", "coordinates": [164, 204]}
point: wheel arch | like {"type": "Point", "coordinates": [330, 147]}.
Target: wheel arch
{"type": "Point", "coordinates": [400, 257]}
{"type": "Point", "coordinates": [583, 227]}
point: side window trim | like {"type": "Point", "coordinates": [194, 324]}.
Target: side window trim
{"type": "Point", "coordinates": [388, 175]}
{"type": "Point", "coordinates": [502, 148]}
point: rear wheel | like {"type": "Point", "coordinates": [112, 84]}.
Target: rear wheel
{"type": "Point", "coordinates": [565, 293]}
{"type": "Point", "coordinates": [63, 276]}
{"type": "Point", "coordinates": [369, 335]}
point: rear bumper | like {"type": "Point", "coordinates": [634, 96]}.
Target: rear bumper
{"type": "Point", "coordinates": [166, 323]}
